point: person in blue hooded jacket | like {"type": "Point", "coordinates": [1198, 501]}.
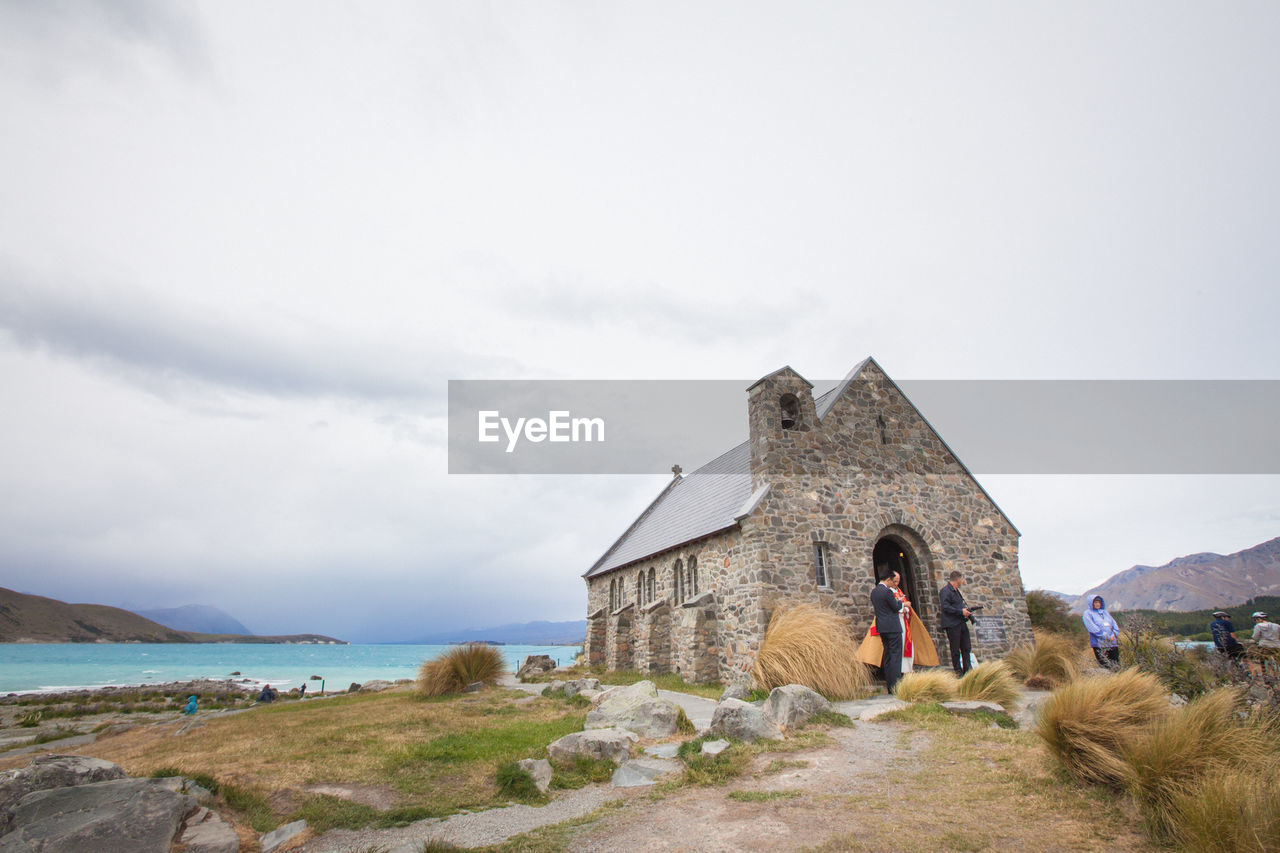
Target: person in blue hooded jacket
{"type": "Point", "coordinates": [1104, 634]}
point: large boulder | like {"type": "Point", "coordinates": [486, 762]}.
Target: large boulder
{"type": "Point", "coordinates": [743, 721]}
{"type": "Point", "coordinates": [636, 708]}
{"type": "Point", "coordinates": [535, 665]}
{"type": "Point", "coordinates": [46, 772]}
{"type": "Point", "coordinates": [603, 744]}
{"type": "Point", "coordinates": [581, 685]}
{"type": "Point", "coordinates": [792, 704]}
{"type": "Point", "coordinates": [119, 816]}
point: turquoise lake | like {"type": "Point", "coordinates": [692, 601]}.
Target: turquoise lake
{"type": "Point", "coordinates": [63, 666]}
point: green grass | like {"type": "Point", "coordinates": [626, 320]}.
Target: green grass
{"type": "Point", "coordinates": [762, 796]}
{"type": "Point", "coordinates": [250, 805]}
{"type": "Point", "coordinates": [515, 782]}
{"type": "Point", "coordinates": [717, 769]}
{"type": "Point", "coordinates": [494, 742]}
{"type": "Point", "coordinates": [827, 719]}
{"type": "Point", "coordinates": [609, 678]}
{"type": "Point", "coordinates": [582, 771]}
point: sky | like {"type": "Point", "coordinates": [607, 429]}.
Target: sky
{"type": "Point", "coordinates": [245, 246]}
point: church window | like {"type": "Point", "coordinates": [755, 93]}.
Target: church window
{"type": "Point", "coordinates": [639, 588]}
{"type": "Point", "coordinates": [822, 572]}
{"type": "Point", "coordinates": [677, 584]}
{"type": "Point", "coordinates": [883, 427]}
{"type": "Point", "coordinates": [613, 594]}
{"type": "Point", "coordinates": [691, 583]}
{"type": "Point", "coordinates": [653, 583]}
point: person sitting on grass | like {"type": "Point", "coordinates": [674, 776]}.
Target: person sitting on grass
{"type": "Point", "coordinates": [267, 694]}
{"type": "Point", "coordinates": [1104, 634]}
{"type": "Point", "coordinates": [1224, 635]}
{"type": "Point", "coordinates": [191, 706]}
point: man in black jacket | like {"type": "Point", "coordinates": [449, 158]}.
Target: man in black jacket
{"type": "Point", "coordinates": [887, 606]}
{"type": "Point", "coordinates": [955, 621]}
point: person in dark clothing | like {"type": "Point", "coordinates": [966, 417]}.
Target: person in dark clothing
{"type": "Point", "coordinates": [889, 626]}
{"type": "Point", "coordinates": [955, 621]}
{"type": "Point", "coordinates": [1224, 635]}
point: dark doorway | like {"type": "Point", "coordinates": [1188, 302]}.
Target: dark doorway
{"type": "Point", "coordinates": [892, 555]}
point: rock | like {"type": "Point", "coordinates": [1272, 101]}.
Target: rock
{"type": "Point", "coordinates": [636, 708]}
{"type": "Point", "coordinates": [642, 771]}
{"type": "Point", "coordinates": [473, 687]}
{"type": "Point", "coordinates": [1176, 700]}
{"type": "Point", "coordinates": [580, 685]}
{"type": "Point", "coordinates": [535, 665]}
{"type": "Point", "coordinates": [539, 769]}
{"type": "Point", "coordinates": [792, 704]}
{"type": "Point", "coordinates": [315, 678]}
{"type": "Point", "coordinates": [883, 705]}
{"type": "Point", "coordinates": [606, 744]}
{"type": "Point", "coordinates": [743, 721]}
{"type": "Point", "coordinates": [374, 685]}
{"type": "Point", "coordinates": [280, 835]}
{"type": "Point", "coordinates": [354, 688]}
{"type": "Point", "coordinates": [663, 750]}
{"type": "Point", "coordinates": [714, 747]}
{"type": "Point", "coordinates": [206, 832]}
{"type": "Point", "coordinates": [195, 790]}
{"type": "Point", "coordinates": [972, 707]}
{"type": "Point", "coordinates": [118, 816]}
{"type": "Point", "coordinates": [736, 690]}
{"type": "Point", "coordinates": [592, 696]}
{"type": "Point", "coordinates": [556, 686]}
{"type": "Point", "coordinates": [52, 771]}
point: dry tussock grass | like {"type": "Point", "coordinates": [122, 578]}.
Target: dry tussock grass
{"type": "Point", "coordinates": [1207, 739]}
{"type": "Point", "coordinates": [990, 682]}
{"type": "Point", "coordinates": [452, 671]}
{"type": "Point", "coordinates": [927, 685]}
{"type": "Point", "coordinates": [1086, 723]}
{"type": "Point", "coordinates": [1236, 811]}
{"type": "Point", "coordinates": [811, 645]}
{"type": "Point", "coordinates": [1052, 657]}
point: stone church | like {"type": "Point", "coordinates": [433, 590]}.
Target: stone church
{"type": "Point", "coordinates": [823, 493]}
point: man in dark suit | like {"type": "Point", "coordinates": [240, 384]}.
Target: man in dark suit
{"type": "Point", "coordinates": [955, 621]}
{"type": "Point", "coordinates": [889, 626]}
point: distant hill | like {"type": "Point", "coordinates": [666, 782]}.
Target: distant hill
{"type": "Point", "coordinates": [1068, 597]}
{"type": "Point", "coordinates": [522, 634]}
{"type": "Point", "coordinates": [1196, 623]}
{"type": "Point", "coordinates": [1192, 583]}
{"type": "Point", "coordinates": [36, 619]}
{"type": "Point", "coordinates": [195, 617]}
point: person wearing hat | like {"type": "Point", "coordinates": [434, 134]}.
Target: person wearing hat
{"type": "Point", "coordinates": [1224, 635]}
{"type": "Point", "coordinates": [1266, 640]}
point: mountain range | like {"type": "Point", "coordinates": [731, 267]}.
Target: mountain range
{"type": "Point", "coordinates": [35, 619]}
{"type": "Point", "coordinates": [523, 633]}
{"type": "Point", "coordinates": [200, 618]}
{"type": "Point", "coordinates": [1194, 582]}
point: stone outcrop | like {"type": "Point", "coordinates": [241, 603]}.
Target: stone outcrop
{"type": "Point", "coordinates": [636, 708]}
{"type": "Point", "coordinates": [535, 665]}
{"type": "Point", "coordinates": [589, 686]}
{"type": "Point", "coordinates": [743, 721]}
{"type": "Point", "coordinates": [642, 771]}
{"type": "Point", "coordinates": [602, 744]}
{"type": "Point", "coordinates": [73, 802]}
{"type": "Point", "coordinates": [272, 840]}
{"type": "Point", "coordinates": [539, 769]}
{"type": "Point", "coordinates": [790, 705]}
{"type": "Point", "coordinates": [119, 816]}
{"type": "Point", "coordinates": [46, 772]}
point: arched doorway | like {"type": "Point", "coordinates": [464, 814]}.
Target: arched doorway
{"type": "Point", "coordinates": [893, 554]}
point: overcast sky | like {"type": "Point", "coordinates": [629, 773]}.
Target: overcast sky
{"type": "Point", "coordinates": [243, 247]}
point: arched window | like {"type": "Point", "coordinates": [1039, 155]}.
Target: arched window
{"type": "Point", "coordinates": [693, 576]}
{"type": "Point", "coordinates": [613, 594]}
{"type": "Point", "coordinates": [677, 581]}
{"type": "Point", "coordinates": [639, 588]}
{"type": "Point", "coordinates": [653, 583]}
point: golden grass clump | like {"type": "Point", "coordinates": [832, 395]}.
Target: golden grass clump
{"type": "Point", "coordinates": [1086, 723]}
{"type": "Point", "coordinates": [810, 645]}
{"type": "Point", "coordinates": [1237, 811]}
{"type": "Point", "coordinates": [927, 685]}
{"type": "Point", "coordinates": [990, 682]}
{"type": "Point", "coordinates": [1204, 739]}
{"type": "Point", "coordinates": [452, 671]}
{"type": "Point", "coordinates": [1052, 657]}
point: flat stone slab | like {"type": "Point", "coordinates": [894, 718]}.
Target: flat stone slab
{"type": "Point", "coordinates": [280, 835]}
{"type": "Point", "coordinates": [869, 709]}
{"type": "Point", "coordinates": [970, 706]}
{"type": "Point", "coordinates": [642, 771]}
{"type": "Point", "coordinates": [119, 816]}
{"type": "Point", "coordinates": [663, 750]}
{"type": "Point", "coordinates": [714, 747]}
